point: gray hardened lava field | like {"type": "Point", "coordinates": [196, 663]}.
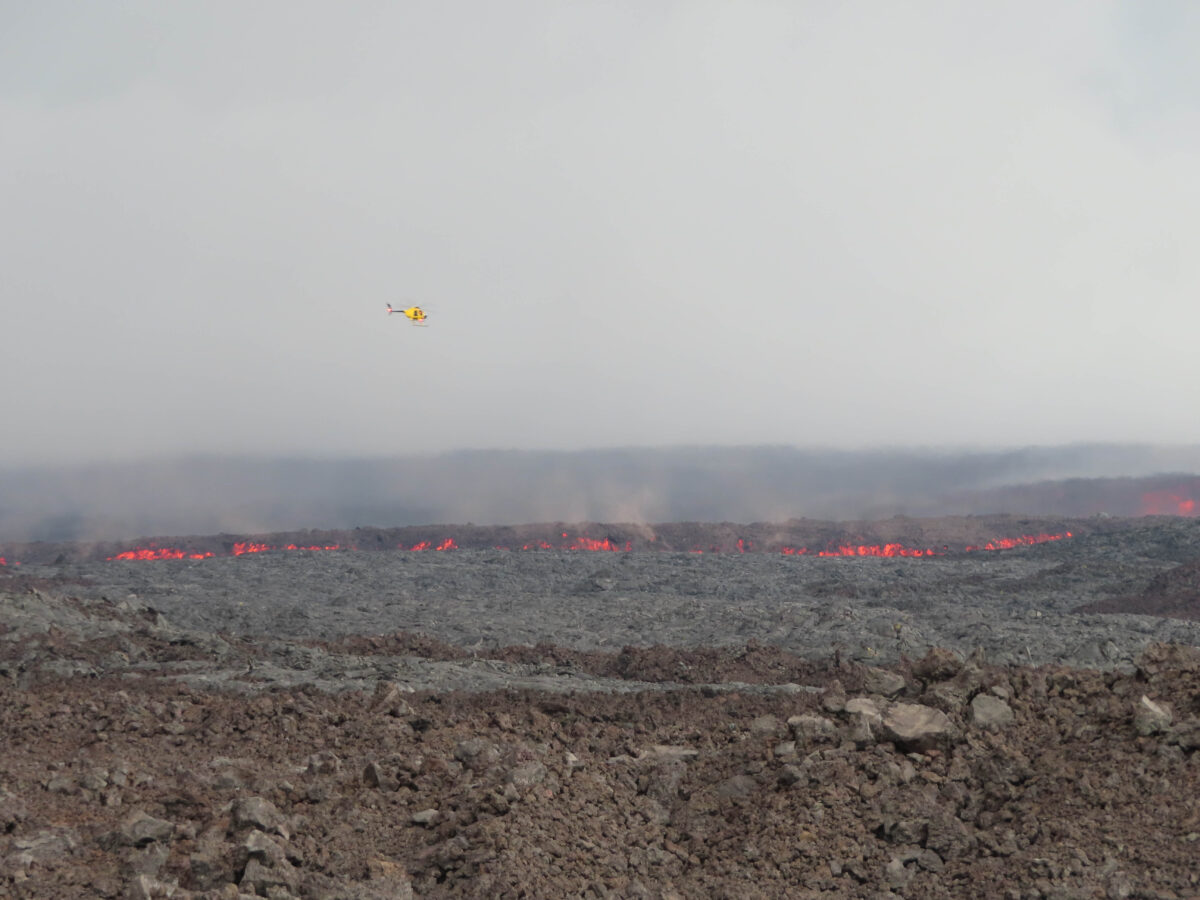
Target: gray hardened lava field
{"type": "Point", "coordinates": [618, 711]}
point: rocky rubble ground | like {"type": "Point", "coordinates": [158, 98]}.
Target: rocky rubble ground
{"type": "Point", "coordinates": [1029, 605]}
{"type": "Point", "coordinates": [947, 778]}
{"type": "Point", "coordinates": [142, 758]}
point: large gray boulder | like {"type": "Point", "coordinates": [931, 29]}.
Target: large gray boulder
{"type": "Point", "coordinates": [990, 713]}
{"type": "Point", "coordinates": [915, 727]}
{"type": "Point", "coordinates": [1150, 717]}
{"type": "Point", "coordinates": [883, 682]}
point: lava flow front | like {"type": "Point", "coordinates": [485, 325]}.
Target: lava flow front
{"type": "Point", "coordinates": [447, 544]}
{"type": "Point", "coordinates": [605, 545]}
{"type": "Point", "coordinates": [608, 544]}
{"type": "Point", "coordinates": [894, 550]}
{"type": "Point", "coordinates": [159, 553]}
{"type": "Point", "coordinates": [876, 550]}
{"type": "Point", "coordinates": [1025, 540]}
{"type": "Point", "coordinates": [239, 549]}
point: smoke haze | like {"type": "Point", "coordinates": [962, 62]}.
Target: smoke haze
{"type": "Point", "coordinates": [633, 225]}
{"type": "Point", "coordinates": [710, 484]}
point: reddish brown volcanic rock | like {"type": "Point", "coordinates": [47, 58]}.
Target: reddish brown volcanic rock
{"type": "Point", "coordinates": [754, 664]}
{"type": "Point", "coordinates": [116, 787]}
{"type": "Point", "coordinates": [1174, 593]}
{"type": "Point", "coordinates": [141, 759]}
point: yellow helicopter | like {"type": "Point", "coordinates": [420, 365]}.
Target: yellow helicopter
{"type": "Point", "coordinates": [414, 314]}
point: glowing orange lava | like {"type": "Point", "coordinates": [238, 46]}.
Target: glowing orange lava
{"type": "Point", "coordinates": [584, 543]}
{"type": "Point", "coordinates": [1025, 540]}
{"type": "Point", "coordinates": [244, 547]}
{"type": "Point", "coordinates": [579, 543]}
{"type": "Point", "coordinates": [239, 549]}
{"type": "Point", "coordinates": [894, 550]}
{"type": "Point", "coordinates": [890, 550]}
{"type": "Point", "coordinates": [159, 553]}
{"type": "Point", "coordinates": [447, 544]}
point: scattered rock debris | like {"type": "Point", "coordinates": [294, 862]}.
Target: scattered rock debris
{"type": "Point", "coordinates": [140, 758]}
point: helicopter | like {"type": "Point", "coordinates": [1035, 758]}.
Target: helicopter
{"type": "Point", "coordinates": [414, 314]}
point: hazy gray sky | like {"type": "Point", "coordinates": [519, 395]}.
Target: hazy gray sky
{"type": "Point", "coordinates": [632, 223]}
